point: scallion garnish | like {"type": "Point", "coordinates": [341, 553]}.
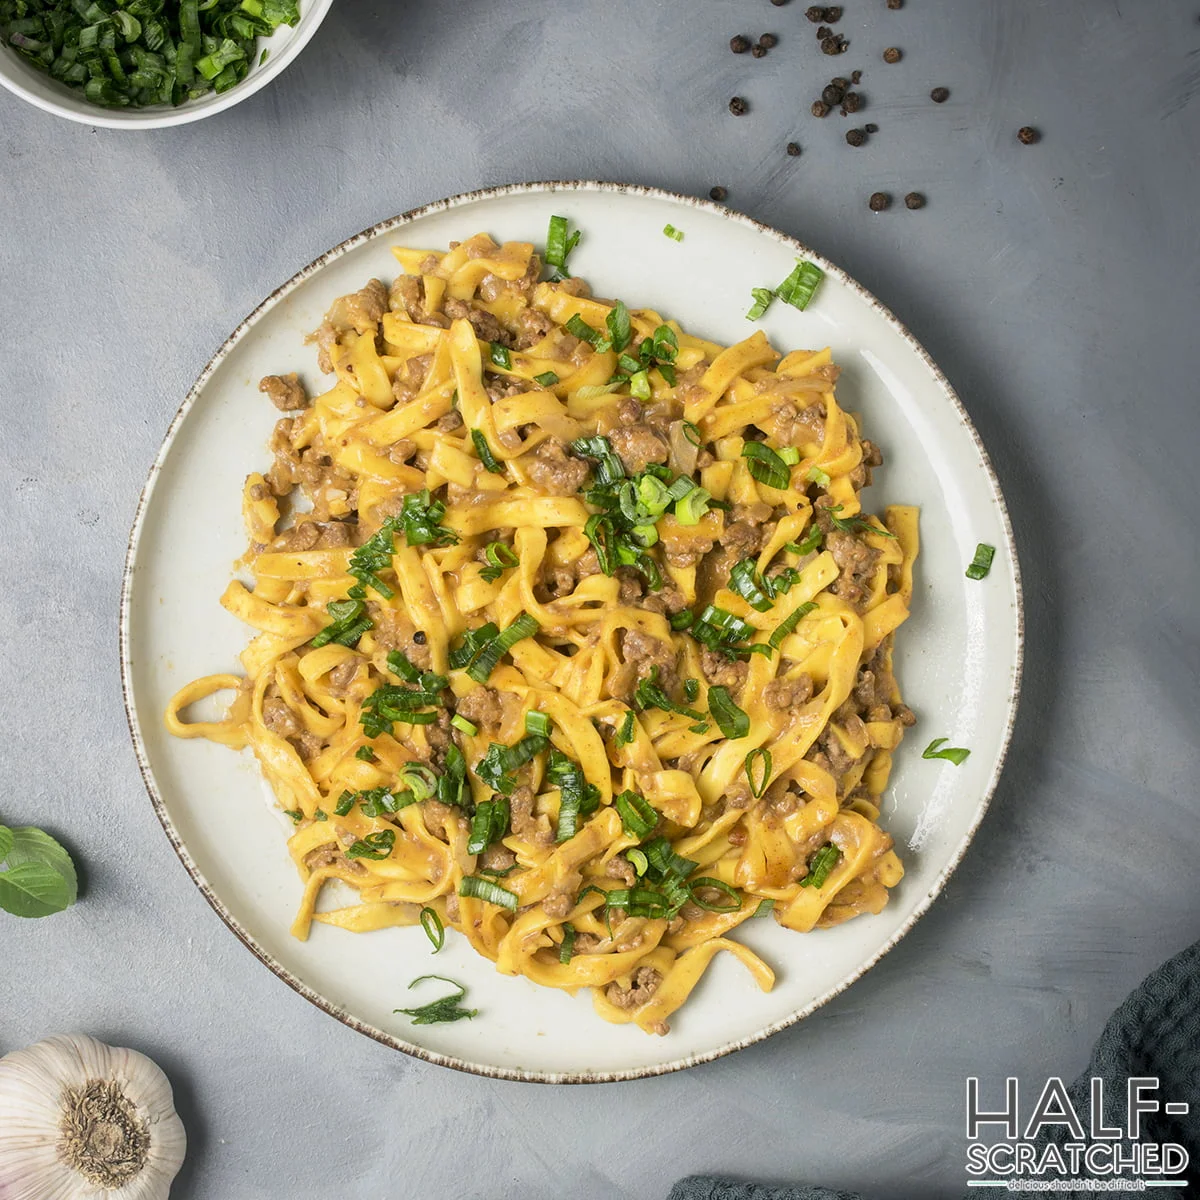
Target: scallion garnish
{"type": "Point", "coordinates": [438, 1011]}
{"type": "Point", "coordinates": [452, 784]}
{"type": "Point", "coordinates": [691, 431]}
{"type": "Point", "coordinates": [624, 734]}
{"type": "Point", "coordinates": [566, 949]}
{"type": "Point", "coordinates": [639, 385]}
{"type": "Point", "coordinates": [762, 301]}
{"type": "Point", "coordinates": [638, 860]}
{"type": "Point", "coordinates": [955, 754]}
{"type": "Point", "coordinates": [496, 767]}
{"type": "Point", "coordinates": [819, 477]}
{"type": "Point", "coordinates": [374, 846]}
{"type": "Point", "coordinates": [567, 775]}
{"type": "Point", "coordinates": [731, 720]}
{"type": "Point", "coordinates": [345, 802]}
{"type": "Point", "coordinates": [764, 909]}
{"type": "Point", "coordinates": [620, 328]}
{"type": "Point", "coordinates": [820, 865]}
{"type": "Point", "coordinates": [463, 725]}
{"type": "Point", "coordinates": [745, 581]}
{"type": "Point", "coordinates": [473, 642]}
{"type": "Point", "coordinates": [524, 626]}
{"type": "Point", "coordinates": [577, 326]}
{"type": "Point", "coordinates": [765, 465]}
{"type": "Point", "coordinates": [365, 753]}
{"type": "Point", "coordinates": [810, 542]}
{"type": "Point", "coordinates": [489, 460]}
{"type": "Point", "coordinates": [349, 622]}
{"type": "Point", "coordinates": [693, 506]}
{"type": "Point", "coordinates": [638, 816]}
{"type": "Point", "coordinates": [798, 288]}
{"type": "Point", "coordinates": [375, 555]}
{"type": "Point", "coordinates": [546, 379]}
{"type": "Point", "coordinates": [500, 557]}
{"type": "Point", "coordinates": [559, 244]}
{"type": "Point", "coordinates": [419, 519]}
{"type": "Point", "coordinates": [537, 722]}
{"type": "Point", "coordinates": [855, 523]}
{"type": "Point", "coordinates": [681, 620]}
{"type": "Point", "coordinates": [761, 759]}
{"type": "Point", "coordinates": [488, 890]}
{"type": "Point", "coordinates": [789, 623]}
{"type": "Point", "coordinates": [649, 694]}
{"type": "Point", "coordinates": [982, 563]}
{"type": "Point", "coordinates": [390, 703]}
{"type": "Point", "coordinates": [398, 664]}
{"type": "Point", "coordinates": [295, 813]}
{"type": "Point", "coordinates": [500, 356]}
{"type": "Point", "coordinates": [716, 885]}
{"type": "Point", "coordinates": [489, 824]}
{"type": "Point", "coordinates": [676, 235]}
{"type": "Point", "coordinates": [435, 931]}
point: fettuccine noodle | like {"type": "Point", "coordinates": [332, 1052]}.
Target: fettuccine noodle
{"type": "Point", "coordinates": [571, 630]}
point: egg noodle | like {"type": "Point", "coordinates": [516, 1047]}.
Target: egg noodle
{"type": "Point", "coordinates": [572, 633]}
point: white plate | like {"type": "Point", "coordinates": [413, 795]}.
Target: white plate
{"type": "Point", "coordinates": [958, 657]}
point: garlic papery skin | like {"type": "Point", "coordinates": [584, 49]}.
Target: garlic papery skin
{"type": "Point", "coordinates": [79, 1119]}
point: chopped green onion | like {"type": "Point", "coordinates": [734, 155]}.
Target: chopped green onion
{"type": "Point", "coordinates": [546, 379]}
{"type": "Point", "coordinates": [365, 753]}
{"type": "Point", "coordinates": [389, 703]}
{"type": "Point", "coordinates": [498, 764]}
{"type": "Point", "coordinates": [811, 541]}
{"type": "Point", "coordinates": [765, 465]}
{"type": "Point", "coordinates": [624, 734]}
{"type": "Point", "coordinates": [790, 455]}
{"type": "Point", "coordinates": [665, 861]}
{"type": "Point", "coordinates": [731, 720]}
{"type": "Point", "coordinates": [620, 328]}
{"type": "Point", "coordinates": [500, 356]}
{"type": "Point", "coordinates": [321, 815]}
{"type": "Point", "coordinates": [435, 931]}
{"type": "Point", "coordinates": [567, 776]}
{"type": "Point", "coordinates": [690, 508]}
{"type": "Point", "coordinates": [855, 523]}
{"type": "Point", "coordinates": [638, 816]}
{"type": "Point", "coordinates": [489, 460]}
{"type": "Point", "coordinates": [501, 557]}
{"type": "Point", "coordinates": [691, 689]}
{"type": "Point", "coordinates": [682, 620]}
{"type": "Point", "coordinates": [349, 622]}
{"type": "Point", "coordinates": [524, 626]}
{"type": "Point", "coordinates": [487, 890]}
{"type": "Point", "coordinates": [374, 846]}
{"type": "Point", "coordinates": [566, 950]}
{"type": "Point", "coordinates": [537, 722]}
{"type": "Point", "coordinates": [745, 581]}
{"type": "Point", "coordinates": [717, 885]}
{"type": "Point", "coordinates": [585, 333]}
{"type": "Point", "coordinates": [558, 244]}
{"type": "Point", "coordinates": [983, 561]}
{"type": "Point", "coordinates": [762, 301]}
{"type": "Point", "coordinates": [764, 909]}
{"type": "Point", "coordinates": [398, 664]}
{"type": "Point", "coordinates": [596, 390]}
{"type": "Point", "coordinates": [473, 642]}
{"type": "Point", "coordinates": [463, 725]}
{"type": "Point", "coordinates": [758, 757]}
{"type": "Point", "coordinates": [375, 555]}
{"type": "Point", "coordinates": [955, 754]}
{"type": "Point", "coordinates": [345, 802]}
{"type": "Point", "coordinates": [421, 780]}
{"type": "Point", "coordinates": [638, 860]}
{"type": "Point", "coordinates": [452, 784]}
{"type": "Point", "coordinates": [609, 467]}
{"type": "Point", "coordinates": [649, 694]}
{"type": "Point", "coordinates": [819, 477]}
{"type": "Point", "coordinates": [691, 431]}
{"type": "Point", "coordinates": [639, 385]}
{"type": "Point", "coordinates": [676, 235]}
{"type": "Point", "coordinates": [821, 864]}
{"type": "Point", "coordinates": [798, 288]}
{"type": "Point", "coordinates": [488, 825]}
{"type": "Point", "coordinates": [439, 1011]}
{"type": "Point", "coordinates": [295, 813]}
{"type": "Point", "coordinates": [789, 623]}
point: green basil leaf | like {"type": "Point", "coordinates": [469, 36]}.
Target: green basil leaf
{"type": "Point", "coordinates": [34, 889]}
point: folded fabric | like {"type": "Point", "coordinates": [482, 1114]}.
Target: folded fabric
{"type": "Point", "coordinates": [1155, 1033]}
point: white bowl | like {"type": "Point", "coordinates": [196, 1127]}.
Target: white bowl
{"type": "Point", "coordinates": [22, 78]}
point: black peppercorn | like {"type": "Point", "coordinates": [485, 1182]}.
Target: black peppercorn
{"type": "Point", "coordinates": [892, 55]}
{"type": "Point", "coordinates": [793, 148]}
{"type": "Point", "coordinates": [768, 40]}
{"type": "Point", "coordinates": [879, 201]}
{"type": "Point", "coordinates": [871, 128]}
{"type": "Point", "coordinates": [816, 14]}
{"type": "Point", "coordinates": [833, 13]}
{"type": "Point", "coordinates": [1027, 135]}
{"type": "Point", "coordinates": [820, 109]}
{"type": "Point", "coordinates": [832, 95]}
{"type": "Point", "coordinates": [855, 76]}
{"type": "Point", "coordinates": [940, 95]}
{"type": "Point", "coordinates": [759, 52]}
{"type": "Point", "coordinates": [839, 82]}
{"type": "Point", "coordinates": [851, 102]}
{"type": "Point", "coordinates": [717, 193]}
{"type": "Point", "coordinates": [419, 637]}
{"type": "Point", "coordinates": [914, 200]}
{"type": "Point", "coordinates": [856, 137]}
{"type": "Point", "coordinates": [737, 106]}
{"type": "Point", "coordinates": [895, 3]}
{"type": "Point", "coordinates": [779, 3]}
{"type": "Point", "coordinates": [830, 45]}
{"type": "Point", "coordinates": [824, 32]}
{"type": "Point", "coordinates": [739, 44]}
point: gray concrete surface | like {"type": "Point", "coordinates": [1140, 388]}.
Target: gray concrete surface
{"type": "Point", "coordinates": [1056, 284]}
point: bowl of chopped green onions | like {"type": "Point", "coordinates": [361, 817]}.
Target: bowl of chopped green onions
{"type": "Point", "coordinates": [145, 64]}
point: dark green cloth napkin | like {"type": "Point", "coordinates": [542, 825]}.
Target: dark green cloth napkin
{"type": "Point", "coordinates": [1155, 1033]}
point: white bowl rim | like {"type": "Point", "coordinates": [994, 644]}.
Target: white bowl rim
{"type": "Point", "coordinates": [160, 117]}
{"type": "Point", "coordinates": [383, 228]}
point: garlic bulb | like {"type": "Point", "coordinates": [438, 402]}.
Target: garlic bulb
{"type": "Point", "coordinates": [82, 1119]}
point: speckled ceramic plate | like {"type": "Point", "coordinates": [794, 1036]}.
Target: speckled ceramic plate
{"type": "Point", "coordinates": [958, 659]}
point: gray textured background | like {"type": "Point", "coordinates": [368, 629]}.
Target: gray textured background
{"type": "Point", "coordinates": [1057, 285]}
